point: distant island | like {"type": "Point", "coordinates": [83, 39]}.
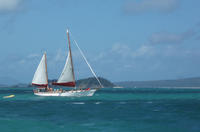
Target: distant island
{"type": "Point", "coordinates": [177, 83]}
{"type": "Point", "coordinates": [91, 82]}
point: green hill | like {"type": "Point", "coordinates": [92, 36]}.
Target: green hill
{"type": "Point", "coordinates": [92, 82]}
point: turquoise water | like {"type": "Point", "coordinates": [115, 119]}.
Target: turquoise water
{"type": "Point", "coordinates": [109, 110]}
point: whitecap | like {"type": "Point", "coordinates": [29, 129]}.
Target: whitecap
{"type": "Point", "coordinates": [78, 103]}
{"type": "Point", "coordinates": [98, 102]}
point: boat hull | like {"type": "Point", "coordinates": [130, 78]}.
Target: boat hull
{"type": "Point", "coordinates": [72, 93]}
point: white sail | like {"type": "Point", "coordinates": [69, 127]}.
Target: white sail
{"type": "Point", "coordinates": [67, 75]}
{"type": "Point", "coordinates": [40, 77]}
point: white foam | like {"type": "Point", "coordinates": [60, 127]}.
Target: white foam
{"type": "Point", "coordinates": [78, 103]}
{"type": "Point", "coordinates": [98, 102]}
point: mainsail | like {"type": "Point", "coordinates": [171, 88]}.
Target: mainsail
{"type": "Point", "coordinates": [40, 77]}
{"type": "Point", "coordinates": [67, 77]}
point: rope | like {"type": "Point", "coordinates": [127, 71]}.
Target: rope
{"type": "Point", "coordinates": [87, 63]}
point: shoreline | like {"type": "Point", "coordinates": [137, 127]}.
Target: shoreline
{"type": "Point", "coordinates": [163, 87]}
{"type": "Point", "coordinates": [134, 87]}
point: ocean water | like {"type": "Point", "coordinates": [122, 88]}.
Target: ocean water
{"type": "Point", "coordinates": [109, 110]}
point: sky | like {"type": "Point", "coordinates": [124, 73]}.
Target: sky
{"type": "Point", "coordinates": [124, 40]}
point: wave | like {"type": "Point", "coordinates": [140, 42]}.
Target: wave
{"type": "Point", "coordinates": [78, 103]}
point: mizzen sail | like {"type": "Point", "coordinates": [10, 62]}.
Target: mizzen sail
{"type": "Point", "coordinates": [40, 77]}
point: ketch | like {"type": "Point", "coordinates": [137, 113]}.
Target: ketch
{"type": "Point", "coordinates": [67, 78]}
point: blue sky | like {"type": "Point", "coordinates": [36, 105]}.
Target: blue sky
{"type": "Point", "coordinates": [122, 39]}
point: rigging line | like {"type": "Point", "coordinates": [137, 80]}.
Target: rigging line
{"type": "Point", "coordinates": [87, 62]}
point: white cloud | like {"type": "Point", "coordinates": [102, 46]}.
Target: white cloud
{"type": "Point", "coordinates": [60, 56]}
{"type": "Point", "coordinates": [121, 49]}
{"type": "Point", "coordinates": [9, 5]}
{"type": "Point", "coordinates": [99, 56]}
{"type": "Point", "coordinates": [151, 5]}
{"type": "Point", "coordinates": [144, 50]}
{"type": "Point", "coordinates": [22, 61]}
{"type": "Point", "coordinates": [127, 52]}
{"type": "Point", "coordinates": [114, 63]}
{"type": "Point", "coordinates": [171, 38]}
{"type": "Point", "coordinates": [165, 37]}
{"type": "Point", "coordinates": [34, 55]}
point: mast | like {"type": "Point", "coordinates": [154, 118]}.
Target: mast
{"type": "Point", "coordinates": [71, 55]}
{"type": "Point", "coordinates": [45, 55]}
{"type": "Point", "coordinates": [67, 77]}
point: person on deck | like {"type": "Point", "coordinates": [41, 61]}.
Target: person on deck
{"type": "Point", "coordinates": [61, 90]}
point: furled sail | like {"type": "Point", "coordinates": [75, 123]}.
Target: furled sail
{"type": "Point", "coordinates": [40, 77]}
{"type": "Point", "coordinates": [67, 76]}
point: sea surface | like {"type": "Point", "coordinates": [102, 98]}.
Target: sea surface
{"type": "Point", "coordinates": [109, 110]}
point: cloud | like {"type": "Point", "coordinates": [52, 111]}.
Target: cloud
{"type": "Point", "coordinates": [22, 61]}
{"type": "Point", "coordinates": [144, 50]}
{"type": "Point", "coordinates": [59, 56]}
{"type": "Point", "coordinates": [9, 5]}
{"type": "Point", "coordinates": [99, 56]}
{"type": "Point", "coordinates": [146, 6]}
{"type": "Point", "coordinates": [30, 56]}
{"type": "Point", "coordinates": [171, 38]}
{"type": "Point", "coordinates": [9, 11]}
{"type": "Point", "coordinates": [120, 61]}
{"type": "Point", "coordinates": [125, 51]}
{"type": "Point", "coordinates": [121, 49]}
{"type": "Point", "coordinates": [165, 37]}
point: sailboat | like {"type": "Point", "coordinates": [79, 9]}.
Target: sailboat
{"type": "Point", "coordinates": [67, 78]}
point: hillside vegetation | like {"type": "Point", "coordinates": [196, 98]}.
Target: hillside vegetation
{"type": "Point", "coordinates": [92, 82]}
